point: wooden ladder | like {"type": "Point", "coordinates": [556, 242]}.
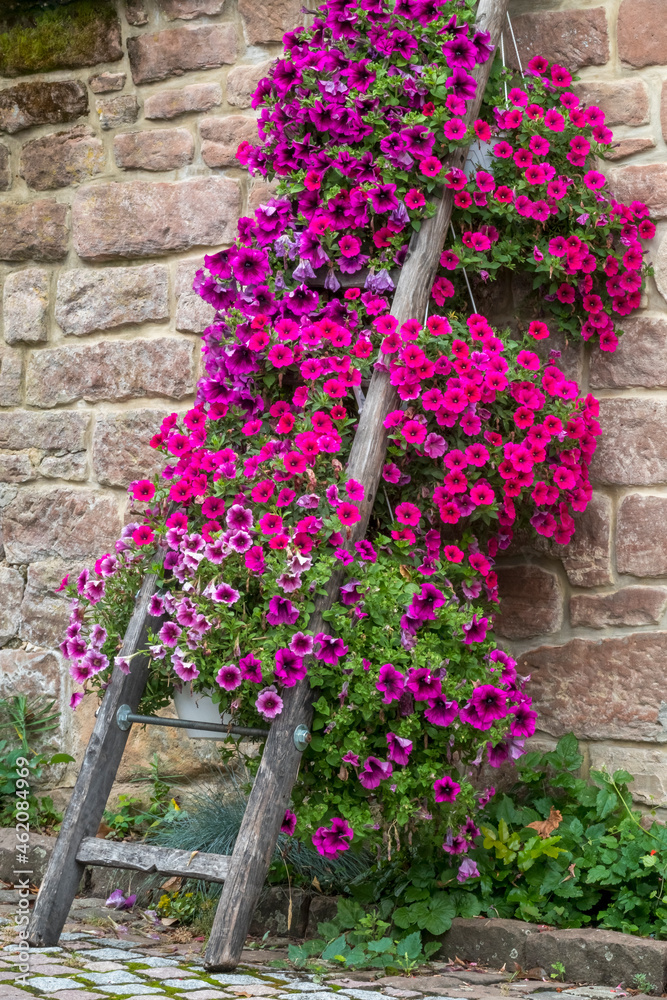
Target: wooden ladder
{"type": "Point", "coordinates": [243, 874]}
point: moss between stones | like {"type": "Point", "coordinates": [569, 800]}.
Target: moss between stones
{"type": "Point", "coordinates": [35, 40]}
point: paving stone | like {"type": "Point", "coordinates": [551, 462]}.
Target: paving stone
{"type": "Point", "coordinates": [27, 104]}
{"type": "Point", "coordinates": [103, 966]}
{"type": "Point", "coordinates": [63, 158]}
{"type": "Point", "coordinates": [175, 51]}
{"type": "Point", "coordinates": [194, 97]}
{"type": "Point", "coordinates": [186, 984]}
{"type": "Point", "coordinates": [165, 972]}
{"type": "Point", "coordinates": [232, 979]}
{"type": "Point", "coordinates": [599, 956]}
{"type": "Point", "coordinates": [130, 989]}
{"type": "Point", "coordinates": [145, 218]}
{"type": "Point", "coordinates": [135, 12]}
{"type": "Point", "coordinates": [34, 231]}
{"type": "Point", "coordinates": [50, 984]}
{"type": "Point", "coordinates": [154, 149]}
{"type": "Point", "coordinates": [25, 303]}
{"type": "Point", "coordinates": [204, 995]}
{"type": "Point", "coordinates": [156, 961]}
{"type": "Point", "coordinates": [76, 995]}
{"type": "Point", "coordinates": [88, 300]}
{"type": "Point", "coordinates": [109, 978]}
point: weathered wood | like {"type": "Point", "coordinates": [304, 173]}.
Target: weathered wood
{"type": "Point", "coordinates": [97, 775]}
{"type": "Point", "coordinates": [279, 767]}
{"type": "Point", "coordinates": [148, 858]}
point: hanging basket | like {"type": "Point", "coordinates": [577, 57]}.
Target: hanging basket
{"type": "Point", "coordinates": [198, 706]}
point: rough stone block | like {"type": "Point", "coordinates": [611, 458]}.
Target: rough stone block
{"type": "Point", "coordinates": [259, 193]}
{"type": "Point", "coordinates": [645, 182]}
{"type": "Point", "coordinates": [186, 10]}
{"type": "Point", "coordinates": [157, 149]}
{"type": "Point", "coordinates": [103, 83]}
{"type": "Point", "coordinates": [115, 111]}
{"type": "Point", "coordinates": [641, 356]}
{"type": "Point", "coordinates": [624, 102]}
{"type": "Point", "coordinates": [11, 374]}
{"type": "Point", "coordinates": [175, 51]}
{"type": "Point", "coordinates": [135, 12]}
{"type": "Point", "coordinates": [121, 452]}
{"type": "Point", "coordinates": [531, 602]}
{"type": "Point", "coordinates": [56, 161]}
{"type": "Point", "coordinates": [193, 315]}
{"type": "Point", "coordinates": [659, 260]}
{"type": "Point", "coordinates": [642, 32]}
{"type": "Point", "coordinates": [631, 606]}
{"type": "Point", "coordinates": [587, 558]}
{"type": "Point", "coordinates": [632, 449]}
{"type": "Point", "coordinates": [620, 148]}
{"type": "Point", "coordinates": [45, 613]}
{"type": "Point", "coordinates": [641, 536]}
{"type": "Point", "coordinates": [5, 169]}
{"type": "Point", "coordinates": [268, 20]}
{"type": "Point", "coordinates": [242, 82]}
{"type": "Point", "coordinates": [25, 303]}
{"type": "Point", "coordinates": [90, 299]}
{"type": "Point", "coordinates": [70, 524]}
{"type": "Point", "coordinates": [16, 467]}
{"type": "Point", "coordinates": [488, 942]}
{"type": "Point", "coordinates": [601, 957]}
{"type": "Point", "coordinates": [111, 371]}
{"type": "Point", "coordinates": [221, 137]}
{"type": "Point", "coordinates": [144, 218]}
{"type": "Point", "coordinates": [573, 38]}
{"type": "Point", "coordinates": [72, 467]}
{"type": "Point", "coordinates": [194, 97]}
{"type": "Point", "coordinates": [41, 848]}
{"type": "Point", "coordinates": [62, 431]}
{"type": "Point", "coordinates": [33, 674]}
{"type": "Point", "coordinates": [11, 593]}
{"type": "Point", "coordinates": [41, 103]}
{"type": "Point", "coordinates": [80, 34]}
{"type": "Point", "coordinates": [648, 765]}
{"type": "Point", "coordinates": [34, 231]}
{"type": "Point", "coordinates": [606, 688]}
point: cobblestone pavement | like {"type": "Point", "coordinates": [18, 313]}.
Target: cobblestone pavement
{"type": "Point", "coordinates": [91, 965]}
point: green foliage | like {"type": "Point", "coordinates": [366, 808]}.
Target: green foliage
{"type": "Point", "coordinates": [642, 982]}
{"type": "Point", "coordinates": [356, 939]}
{"type": "Point", "coordinates": [24, 755]}
{"type": "Point", "coordinates": [36, 39]}
{"type": "Point", "coordinates": [131, 817]}
{"type": "Point", "coordinates": [594, 863]}
{"type": "Point", "coordinates": [193, 909]}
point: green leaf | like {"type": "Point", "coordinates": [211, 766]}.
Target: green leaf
{"type": "Point", "coordinates": [336, 948]}
{"type": "Point", "coordinates": [442, 911]}
{"type": "Point", "coordinates": [409, 947]}
{"type": "Point", "coordinates": [61, 758]}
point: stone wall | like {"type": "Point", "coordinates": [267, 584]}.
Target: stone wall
{"type": "Point", "coordinates": [117, 173]}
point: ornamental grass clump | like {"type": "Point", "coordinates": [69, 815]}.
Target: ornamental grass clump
{"type": "Point", "coordinates": [253, 511]}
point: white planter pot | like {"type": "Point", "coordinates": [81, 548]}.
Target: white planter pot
{"type": "Point", "coordinates": [199, 707]}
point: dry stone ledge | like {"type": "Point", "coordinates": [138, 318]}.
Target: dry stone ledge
{"type": "Point", "coordinates": [90, 299]}
{"type": "Point", "coordinates": [488, 942]}
{"type": "Point", "coordinates": [68, 523]}
{"type": "Point", "coordinates": [62, 431]}
{"type": "Point", "coordinates": [144, 218]}
{"type": "Point", "coordinates": [111, 371]}
{"type": "Point", "coordinates": [601, 689]}
{"type": "Point", "coordinates": [121, 452]}
{"type": "Point", "coordinates": [25, 303]}
{"type": "Point", "coordinates": [34, 231]}
{"type": "Point", "coordinates": [531, 602]}
{"type": "Point", "coordinates": [642, 32]}
{"type": "Point", "coordinates": [632, 450]}
{"type": "Point", "coordinates": [573, 38]}
{"type": "Point", "coordinates": [175, 51]}
{"type": "Point", "coordinates": [641, 356]}
{"type": "Point", "coordinates": [11, 594]}
{"type": "Point", "coordinates": [641, 536]}
{"type": "Point", "coordinates": [115, 111]}
{"type": "Point", "coordinates": [41, 103]}
{"type": "Point", "coordinates": [598, 956]}
{"type": "Point", "coordinates": [157, 149]}
{"type": "Point", "coordinates": [188, 9]}
{"type": "Point", "coordinates": [632, 606]}
{"type": "Point", "coordinates": [268, 20]}
{"type": "Point", "coordinates": [221, 138]}
{"type": "Point", "coordinates": [56, 161]}
{"type": "Point", "coordinates": [195, 97]}
{"type": "Point", "coordinates": [624, 102]}
{"type": "Point", "coordinates": [645, 182]}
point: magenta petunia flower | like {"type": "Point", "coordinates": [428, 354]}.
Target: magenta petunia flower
{"type": "Point", "coordinates": [329, 842]}
{"type": "Point", "coordinates": [374, 771]}
{"type": "Point", "coordinates": [328, 649]}
{"type": "Point", "coordinates": [391, 682]}
{"type": "Point", "coordinates": [351, 758]}
{"type": "Point", "coordinates": [229, 677]}
{"type": "Point", "coordinates": [269, 703]}
{"type": "Point", "coordinates": [281, 611]}
{"type": "Point", "coordinates": [441, 712]}
{"type": "Point", "coordinates": [288, 824]}
{"type": "Point", "coordinates": [446, 789]}
{"type": "Point", "coordinates": [399, 749]}
{"type": "Point", "coordinates": [423, 684]}
{"type": "Point", "coordinates": [290, 668]}
{"type": "Point", "coordinates": [301, 643]}
{"type": "Point", "coordinates": [250, 668]}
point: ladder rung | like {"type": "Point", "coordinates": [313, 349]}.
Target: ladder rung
{"type": "Point", "coordinates": [147, 858]}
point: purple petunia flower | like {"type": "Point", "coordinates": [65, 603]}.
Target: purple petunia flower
{"type": "Point", "coordinates": [229, 677]}
{"type": "Point", "coordinates": [467, 869]}
{"type": "Point", "coordinates": [391, 682]}
{"type": "Point", "coordinates": [281, 611]}
{"type": "Point", "coordinates": [250, 668]}
{"type": "Point", "coordinates": [328, 649]}
{"type": "Point", "coordinates": [301, 643]}
{"type": "Point", "coordinates": [239, 518]}
{"type": "Point", "coordinates": [288, 824]}
{"type": "Point", "coordinates": [269, 703]}
{"type": "Point", "coordinates": [423, 684]}
{"type": "Point", "coordinates": [374, 771]}
{"type": "Point", "coordinates": [440, 711]}
{"type": "Point", "coordinates": [446, 789]}
{"type": "Point", "coordinates": [329, 842]}
{"type": "Point", "coordinates": [399, 749]}
{"type": "Point", "coordinates": [290, 668]}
